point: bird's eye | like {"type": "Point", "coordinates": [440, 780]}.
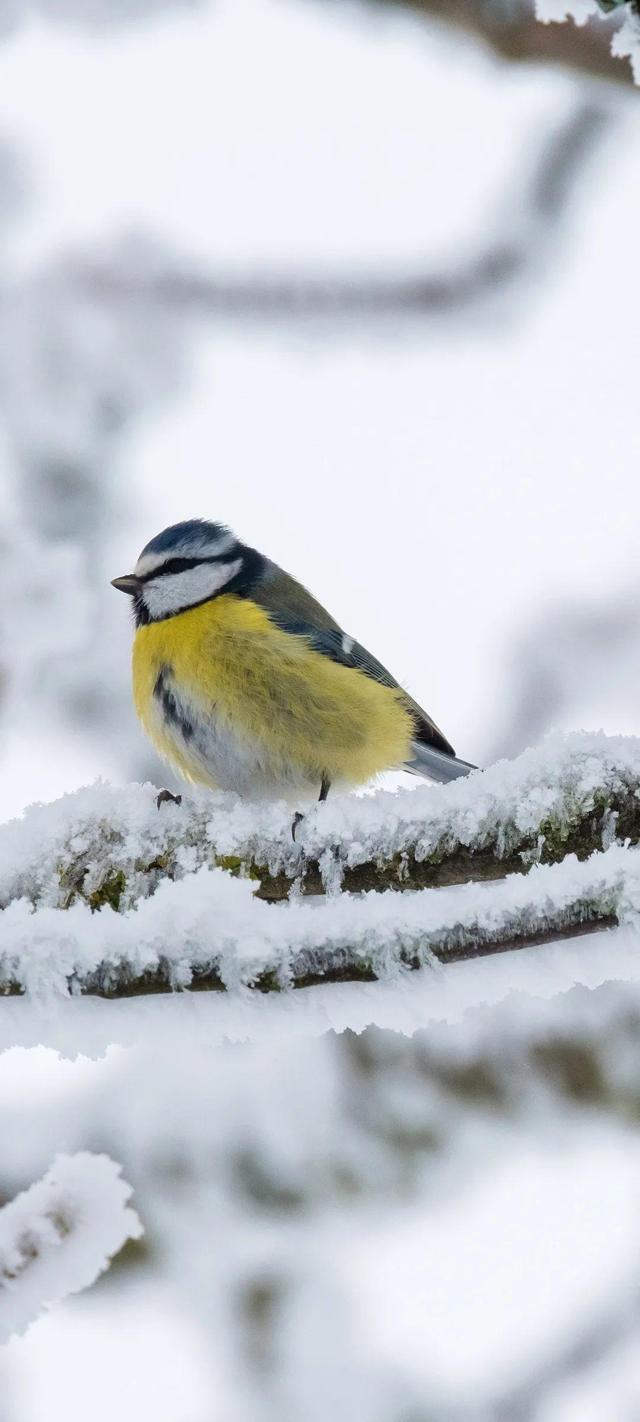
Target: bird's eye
{"type": "Point", "coordinates": [174, 565]}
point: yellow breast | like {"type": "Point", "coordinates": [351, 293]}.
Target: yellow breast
{"type": "Point", "coordinates": [297, 713]}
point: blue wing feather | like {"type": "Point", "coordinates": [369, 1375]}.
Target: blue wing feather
{"type": "Point", "coordinates": [295, 611]}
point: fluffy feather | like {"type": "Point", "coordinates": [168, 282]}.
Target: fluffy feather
{"type": "Point", "coordinates": [255, 709]}
{"type": "Point", "coordinates": [294, 610]}
{"type": "Point", "coordinates": [243, 680]}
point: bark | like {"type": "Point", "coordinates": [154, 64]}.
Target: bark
{"type": "Point", "coordinates": [516, 36]}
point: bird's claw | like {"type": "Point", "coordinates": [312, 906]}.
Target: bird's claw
{"type": "Point", "coordinates": [166, 795]}
{"type": "Point", "coordinates": [297, 820]}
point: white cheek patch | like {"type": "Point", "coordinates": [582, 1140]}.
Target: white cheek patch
{"type": "Point", "coordinates": [174, 592]}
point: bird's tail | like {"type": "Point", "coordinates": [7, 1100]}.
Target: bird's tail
{"type": "Point", "coordinates": [436, 764]}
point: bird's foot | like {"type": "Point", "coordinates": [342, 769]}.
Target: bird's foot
{"type": "Point", "coordinates": [166, 795]}
{"type": "Point", "coordinates": [297, 820]}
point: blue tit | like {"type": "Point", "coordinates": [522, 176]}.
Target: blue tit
{"type": "Point", "coordinates": [244, 682]}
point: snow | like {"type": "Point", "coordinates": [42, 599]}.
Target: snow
{"type": "Point", "coordinates": [576, 1244]}
{"type": "Point", "coordinates": [286, 183]}
{"type": "Point", "coordinates": [70, 848]}
{"type": "Point", "coordinates": [625, 43]}
{"type": "Point", "coordinates": [182, 917]}
{"type": "Point", "coordinates": [211, 921]}
{"type": "Point", "coordinates": [479, 449]}
{"type": "Point", "coordinates": [182, 913]}
{"type": "Point", "coordinates": [400, 1193]}
{"type": "Point", "coordinates": [580, 11]}
{"type": "Point", "coordinates": [403, 1002]}
{"type": "Point", "coordinates": [60, 1234]}
{"type": "Point", "coordinates": [158, 1367]}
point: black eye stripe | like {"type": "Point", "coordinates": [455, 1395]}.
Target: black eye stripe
{"type": "Point", "coordinates": [240, 581]}
{"type": "Point", "coordinates": [182, 565]}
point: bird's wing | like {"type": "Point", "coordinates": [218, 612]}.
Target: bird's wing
{"type": "Point", "coordinates": [293, 609]}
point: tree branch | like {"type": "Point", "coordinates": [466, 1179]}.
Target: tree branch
{"type": "Point", "coordinates": [195, 896]}
{"type": "Point", "coordinates": [514, 34]}
{"type": "Point", "coordinates": [498, 264]}
{"type": "Point", "coordinates": [105, 846]}
{"type": "Point", "coordinates": [59, 1235]}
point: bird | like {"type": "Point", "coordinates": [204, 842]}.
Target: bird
{"type": "Point", "coordinates": [245, 683]}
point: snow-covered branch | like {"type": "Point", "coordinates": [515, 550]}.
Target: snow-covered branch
{"type": "Point", "coordinates": [514, 33]}
{"type": "Point", "coordinates": [106, 845]}
{"type": "Point", "coordinates": [104, 893]}
{"type": "Point", "coordinates": [58, 1236]}
{"type": "Point", "coordinates": [625, 41]}
{"type": "Point", "coordinates": [520, 242]}
{"type": "Point", "coordinates": [210, 931]}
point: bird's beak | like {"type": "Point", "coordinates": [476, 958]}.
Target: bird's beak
{"type": "Point", "coordinates": [128, 584]}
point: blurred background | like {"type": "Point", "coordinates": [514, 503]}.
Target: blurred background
{"type": "Point", "coordinates": [359, 280]}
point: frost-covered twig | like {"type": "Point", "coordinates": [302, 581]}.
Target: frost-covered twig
{"type": "Point", "coordinates": [105, 845]}
{"type": "Point", "coordinates": [178, 891]}
{"type": "Point", "coordinates": [210, 931]}
{"type": "Point", "coordinates": [58, 1236]}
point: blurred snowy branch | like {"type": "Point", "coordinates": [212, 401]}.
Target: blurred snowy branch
{"type": "Point", "coordinates": [509, 27]}
{"type": "Point", "coordinates": [625, 41]}
{"type": "Point", "coordinates": [512, 29]}
{"type": "Point", "coordinates": [75, 371]}
{"type": "Point", "coordinates": [59, 1235]}
{"type": "Point", "coordinates": [297, 1193]}
{"type": "Point", "coordinates": [541, 192]}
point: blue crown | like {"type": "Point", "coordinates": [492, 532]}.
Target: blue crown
{"type": "Point", "coordinates": [192, 533]}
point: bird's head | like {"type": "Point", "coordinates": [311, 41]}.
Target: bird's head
{"type": "Point", "coordinates": [184, 566]}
